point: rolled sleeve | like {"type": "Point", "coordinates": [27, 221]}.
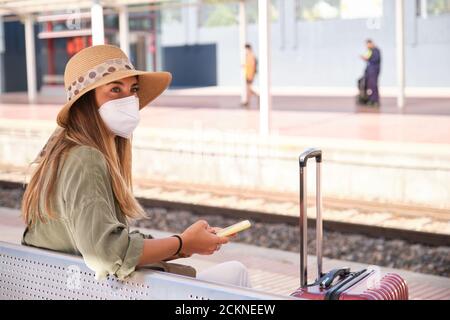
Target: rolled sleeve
{"type": "Point", "coordinates": [132, 257]}
{"type": "Point", "coordinates": [105, 244]}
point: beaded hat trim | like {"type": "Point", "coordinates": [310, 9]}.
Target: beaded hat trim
{"type": "Point", "coordinates": [99, 71]}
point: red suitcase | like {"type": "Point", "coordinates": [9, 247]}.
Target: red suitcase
{"type": "Point", "coordinates": [338, 284]}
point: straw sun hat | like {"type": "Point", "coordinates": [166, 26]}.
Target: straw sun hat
{"type": "Point", "coordinates": [98, 65]}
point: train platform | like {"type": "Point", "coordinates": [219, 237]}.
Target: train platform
{"type": "Point", "coordinates": [270, 270]}
{"type": "Point", "coordinates": [203, 140]}
{"type": "Point", "coordinates": [284, 98]}
{"type": "Point", "coordinates": [423, 120]}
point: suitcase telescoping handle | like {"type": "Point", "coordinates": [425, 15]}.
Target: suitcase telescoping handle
{"type": "Point", "coordinates": [307, 154]}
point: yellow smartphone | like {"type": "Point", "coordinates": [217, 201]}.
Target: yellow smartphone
{"type": "Point", "coordinates": [235, 228]}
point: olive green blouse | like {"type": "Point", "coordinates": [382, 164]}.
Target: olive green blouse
{"type": "Point", "coordinates": [88, 219]}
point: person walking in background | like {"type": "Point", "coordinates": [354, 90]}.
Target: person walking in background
{"type": "Point", "coordinates": [373, 58]}
{"type": "Point", "coordinates": [251, 65]}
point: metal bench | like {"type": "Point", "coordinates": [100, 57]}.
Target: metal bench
{"type": "Point", "coordinates": [32, 273]}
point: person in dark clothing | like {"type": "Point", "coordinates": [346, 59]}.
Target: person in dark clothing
{"type": "Point", "coordinates": [373, 58]}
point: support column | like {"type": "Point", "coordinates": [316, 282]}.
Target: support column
{"type": "Point", "coordinates": [97, 27]}
{"type": "Point", "coordinates": [423, 9]}
{"type": "Point", "coordinates": [30, 54]}
{"type": "Point", "coordinates": [124, 30]}
{"type": "Point", "coordinates": [191, 21]}
{"type": "Point", "coordinates": [242, 52]}
{"type": "Point", "coordinates": [400, 51]}
{"type": "Point", "coordinates": [265, 66]}
{"type": "Point", "coordinates": [290, 24]}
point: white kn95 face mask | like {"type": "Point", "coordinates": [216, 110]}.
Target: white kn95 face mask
{"type": "Point", "coordinates": [121, 116]}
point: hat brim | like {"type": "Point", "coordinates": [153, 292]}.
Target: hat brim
{"type": "Point", "coordinates": [151, 85]}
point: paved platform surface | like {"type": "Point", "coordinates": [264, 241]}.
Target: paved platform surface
{"type": "Point", "coordinates": [293, 99]}
{"type": "Point", "coordinates": [423, 120]}
{"type": "Point", "coordinates": [270, 270]}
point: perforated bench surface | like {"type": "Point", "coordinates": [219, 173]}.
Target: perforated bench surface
{"type": "Point", "coordinates": [31, 273]}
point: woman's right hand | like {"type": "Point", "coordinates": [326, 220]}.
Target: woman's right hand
{"type": "Point", "coordinates": [198, 238]}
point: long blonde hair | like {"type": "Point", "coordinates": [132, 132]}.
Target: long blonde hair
{"type": "Point", "coordinates": [84, 128]}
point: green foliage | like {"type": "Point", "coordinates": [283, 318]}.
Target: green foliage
{"type": "Point", "coordinates": [219, 14]}
{"type": "Point", "coordinates": [438, 7]}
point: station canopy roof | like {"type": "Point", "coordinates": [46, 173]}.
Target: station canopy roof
{"type": "Point", "coordinates": [24, 7]}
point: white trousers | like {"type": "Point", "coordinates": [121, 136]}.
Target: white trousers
{"type": "Point", "coordinates": [230, 272]}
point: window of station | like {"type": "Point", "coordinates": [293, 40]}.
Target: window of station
{"type": "Point", "coordinates": [171, 13]}
{"type": "Point", "coordinates": [316, 10]}
{"type": "Point", "coordinates": [215, 13]}
{"type": "Point", "coordinates": [430, 8]}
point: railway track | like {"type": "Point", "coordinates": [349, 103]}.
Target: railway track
{"type": "Point", "coordinates": [272, 207]}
